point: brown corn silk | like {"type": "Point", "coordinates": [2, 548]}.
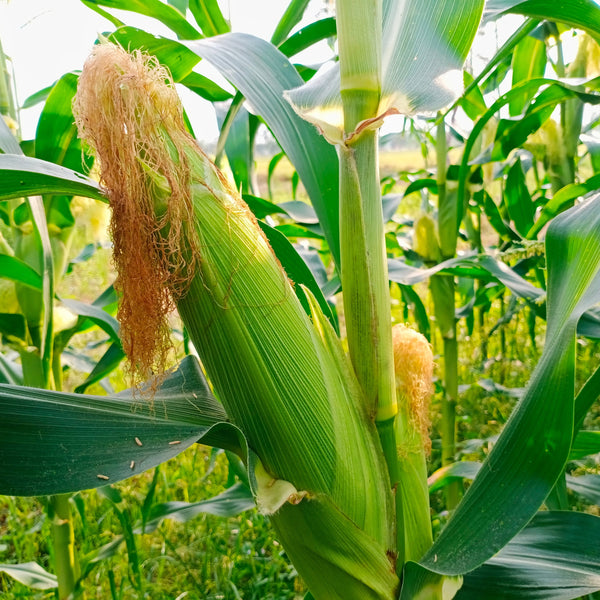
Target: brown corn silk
{"type": "Point", "coordinates": [152, 253]}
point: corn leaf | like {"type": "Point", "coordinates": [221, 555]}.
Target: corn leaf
{"type": "Point", "coordinates": [529, 62]}
{"type": "Point", "coordinates": [556, 557]}
{"type": "Point", "coordinates": [56, 138]}
{"type": "Point", "coordinates": [23, 176]}
{"type": "Point", "coordinates": [587, 486]}
{"type": "Point", "coordinates": [16, 270]}
{"type": "Point", "coordinates": [480, 267]}
{"type": "Point", "coordinates": [166, 14]}
{"type": "Point", "coordinates": [180, 60]}
{"type": "Point", "coordinates": [309, 35]}
{"type": "Point", "coordinates": [584, 444]}
{"type": "Point", "coordinates": [534, 446]}
{"type": "Point", "coordinates": [424, 46]}
{"type": "Point", "coordinates": [234, 500]}
{"type": "Point", "coordinates": [32, 575]}
{"type": "Point", "coordinates": [291, 17]}
{"type": "Point", "coordinates": [54, 442]}
{"type": "Point", "coordinates": [95, 314]}
{"type": "Point", "coordinates": [517, 198]}
{"type": "Point", "coordinates": [583, 14]}
{"type": "Point", "coordinates": [37, 212]}
{"type": "Point", "coordinates": [209, 17]}
{"type": "Point", "coordinates": [262, 73]}
{"type": "Point", "coordinates": [109, 361]}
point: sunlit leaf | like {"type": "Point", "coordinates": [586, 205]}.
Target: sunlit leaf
{"type": "Point", "coordinates": [424, 47]}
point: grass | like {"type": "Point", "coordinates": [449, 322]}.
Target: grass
{"type": "Point", "coordinates": [214, 558]}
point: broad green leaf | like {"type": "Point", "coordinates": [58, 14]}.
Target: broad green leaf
{"type": "Point", "coordinates": [176, 56]}
{"type": "Point", "coordinates": [561, 200]}
{"type": "Point", "coordinates": [518, 199]}
{"type": "Point", "coordinates": [472, 101]}
{"type": "Point", "coordinates": [494, 217]}
{"type": "Point", "coordinates": [31, 575]}
{"type": "Point", "coordinates": [98, 316]}
{"type": "Point", "coordinates": [533, 448]}
{"type": "Point", "coordinates": [25, 176]}
{"type": "Point", "coordinates": [209, 17]}
{"type": "Point", "coordinates": [300, 212]}
{"type": "Point", "coordinates": [587, 486]}
{"type": "Point", "coordinates": [16, 270]}
{"type": "Point", "coordinates": [262, 208]}
{"type": "Point", "coordinates": [586, 397]}
{"type": "Point", "coordinates": [511, 134]}
{"type": "Point", "coordinates": [529, 62]}
{"type": "Point", "coordinates": [583, 14]}
{"type": "Point", "coordinates": [56, 138]}
{"type": "Point", "coordinates": [10, 371]}
{"type": "Point", "coordinates": [309, 35]}
{"type": "Point", "coordinates": [54, 442]}
{"type": "Point", "coordinates": [110, 360]}
{"type": "Point", "coordinates": [291, 17]}
{"type": "Point", "coordinates": [584, 444]}
{"type": "Point", "coordinates": [424, 47]}
{"type": "Point", "coordinates": [233, 501]}
{"type": "Point", "coordinates": [13, 327]}
{"type": "Point", "coordinates": [556, 557]}
{"type": "Point", "coordinates": [261, 73]}
{"type": "Point", "coordinates": [37, 97]}
{"type": "Point", "coordinates": [458, 470]}
{"type": "Point", "coordinates": [420, 584]}
{"type": "Point", "coordinates": [168, 15]}
{"type": "Point", "coordinates": [205, 88]}
{"type": "Point", "coordinates": [413, 300]}
{"type": "Point", "coordinates": [480, 267]}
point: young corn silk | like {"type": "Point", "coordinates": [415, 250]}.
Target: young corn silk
{"type": "Point", "coordinates": [184, 236]}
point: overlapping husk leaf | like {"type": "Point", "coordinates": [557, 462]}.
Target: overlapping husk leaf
{"type": "Point", "coordinates": [183, 236]}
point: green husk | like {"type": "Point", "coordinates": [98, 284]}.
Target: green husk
{"type": "Point", "coordinates": [282, 378]}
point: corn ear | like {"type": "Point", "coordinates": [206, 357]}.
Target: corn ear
{"type": "Point", "coordinates": [282, 377]}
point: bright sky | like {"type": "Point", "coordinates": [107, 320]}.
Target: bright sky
{"type": "Point", "coordinates": [47, 38]}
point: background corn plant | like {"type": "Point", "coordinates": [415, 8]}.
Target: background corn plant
{"type": "Point", "coordinates": [531, 454]}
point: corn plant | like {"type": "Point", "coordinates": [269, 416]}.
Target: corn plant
{"type": "Point", "coordinates": [334, 443]}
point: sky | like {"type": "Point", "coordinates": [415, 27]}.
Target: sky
{"type": "Point", "coordinates": [47, 38]}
